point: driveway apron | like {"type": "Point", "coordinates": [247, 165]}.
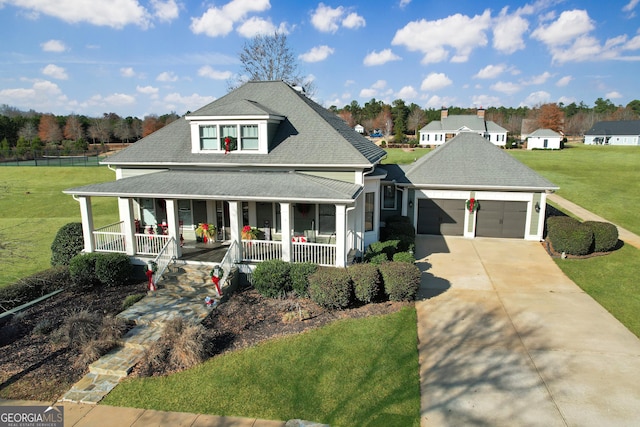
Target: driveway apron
{"type": "Point", "coordinates": [505, 338]}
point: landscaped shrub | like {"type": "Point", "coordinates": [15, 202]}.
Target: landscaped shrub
{"type": "Point", "coordinates": [299, 275]}
{"type": "Point", "coordinates": [68, 243]}
{"type": "Point", "coordinates": [366, 281]}
{"type": "Point", "coordinates": [130, 300]}
{"type": "Point", "coordinates": [331, 288]}
{"type": "Point", "coordinates": [34, 286]}
{"type": "Point", "coordinates": [271, 278]}
{"type": "Point", "coordinates": [605, 235]}
{"type": "Point", "coordinates": [400, 228]}
{"type": "Point", "coordinates": [378, 259]}
{"type": "Point", "coordinates": [82, 269]}
{"type": "Point", "coordinates": [388, 248]}
{"type": "Point", "coordinates": [572, 238]}
{"type": "Point", "coordinates": [404, 257]}
{"type": "Point", "coordinates": [560, 221]}
{"type": "Point", "coordinates": [401, 280]}
{"type": "Point", "coordinates": [113, 269]}
{"type": "Point", "coordinates": [80, 327]}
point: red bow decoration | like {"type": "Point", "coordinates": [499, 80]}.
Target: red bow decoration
{"type": "Point", "coordinates": [227, 141]}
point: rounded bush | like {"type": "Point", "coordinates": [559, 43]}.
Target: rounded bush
{"type": "Point", "coordinates": [271, 278]}
{"type": "Point", "coordinates": [561, 221]}
{"type": "Point", "coordinates": [299, 275]}
{"type": "Point", "coordinates": [82, 269]}
{"type": "Point", "coordinates": [113, 269]}
{"type": "Point", "coordinates": [68, 243]}
{"type": "Point", "coordinates": [571, 238]}
{"type": "Point", "coordinates": [404, 257]}
{"type": "Point", "coordinates": [378, 259]}
{"type": "Point", "coordinates": [401, 280]}
{"type": "Point", "coordinates": [388, 248]}
{"type": "Point", "coordinates": [366, 281]}
{"type": "Point", "coordinates": [331, 288]}
{"type": "Point", "coordinates": [605, 235]}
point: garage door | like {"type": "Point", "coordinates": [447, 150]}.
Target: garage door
{"type": "Point", "coordinates": [501, 219]}
{"type": "Point", "coordinates": [441, 216]}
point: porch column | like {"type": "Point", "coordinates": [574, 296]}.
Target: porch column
{"type": "Point", "coordinates": [86, 212]}
{"type": "Point", "coordinates": [173, 224]}
{"type": "Point", "coordinates": [285, 225]}
{"type": "Point", "coordinates": [235, 223]}
{"type": "Point", "coordinates": [125, 208]}
{"type": "Point", "coordinates": [341, 234]}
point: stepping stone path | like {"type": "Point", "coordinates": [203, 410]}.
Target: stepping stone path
{"type": "Point", "coordinates": [182, 293]}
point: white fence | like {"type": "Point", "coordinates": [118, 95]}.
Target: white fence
{"type": "Point", "coordinates": [110, 238]}
{"type": "Point", "coordinates": [316, 253]}
{"type": "Point", "coordinates": [150, 244]}
{"type": "Point", "coordinates": [261, 250]}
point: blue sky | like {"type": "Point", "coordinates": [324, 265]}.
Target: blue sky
{"type": "Point", "coordinates": [139, 57]}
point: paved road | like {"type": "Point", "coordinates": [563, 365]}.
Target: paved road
{"type": "Point", "coordinates": [506, 339]}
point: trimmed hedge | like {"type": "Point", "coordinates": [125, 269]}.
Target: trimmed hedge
{"type": "Point", "coordinates": [68, 243]}
{"type": "Point", "coordinates": [404, 257]}
{"type": "Point", "coordinates": [331, 288]}
{"type": "Point", "coordinates": [387, 248]}
{"type": "Point", "coordinates": [271, 278]}
{"type": "Point", "coordinates": [113, 269]}
{"type": "Point", "coordinates": [561, 221]}
{"type": "Point", "coordinates": [34, 286]}
{"type": "Point", "coordinates": [401, 280]}
{"type": "Point", "coordinates": [605, 235]}
{"type": "Point", "coordinates": [299, 275]}
{"type": "Point", "coordinates": [571, 238]}
{"type": "Point", "coordinates": [82, 269]}
{"type": "Point", "coordinates": [366, 282]}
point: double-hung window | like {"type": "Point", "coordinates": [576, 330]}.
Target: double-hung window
{"type": "Point", "coordinates": [228, 138]}
{"type": "Point", "coordinates": [249, 137]}
{"type": "Point", "coordinates": [389, 196]}
{"type": "Point", "coordinates": [208, 137]}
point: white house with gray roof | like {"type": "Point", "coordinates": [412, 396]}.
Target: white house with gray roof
{"type": "Point", "coordinates": [438, 132]}
{"type": "Point", "coordinates": [618, 132]}
{"type": "Point", "coordinates": [544, 139]}
{"type": "Point", "coordinates": [267, 157]}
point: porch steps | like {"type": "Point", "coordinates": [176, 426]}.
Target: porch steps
{"type": "Point", "coordinates": [182, 293]}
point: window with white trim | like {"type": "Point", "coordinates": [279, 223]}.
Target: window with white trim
{"type": "Point", "coordinates": [388, 196]}
{"type": "Point", "coordinates": [369, 210]}
{"type": "Point", "coordinates": [228, 138]}
{"type": "Point", "coordinates": [249, 137]}
{"type": "Point", "coordinates": [208, 137]}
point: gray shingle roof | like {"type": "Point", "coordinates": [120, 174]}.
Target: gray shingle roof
{"type": "Point", "coordinates": [309, 134]}
{"type": "Point", "coordinates": [542, 133]}
{"type": "Point", "coordinates": [470, 161]}
{"type": "Point", "coordinates": [239, 185]}
{"type": "Point", "coordinates": [619, 127]}
{"type": "Point", "coordinates": [456, 122]}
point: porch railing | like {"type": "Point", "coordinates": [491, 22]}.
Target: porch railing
{"type": "Point", "coordinates": [151, 244]}
{"type": "Point", "coordinates": [167, 253]}
{"type": "Point", "coordinates": [110, 238]}
{"type": "Point", "coordinates": [317, 253]}
{"type": "Point", "coordinates": [231, 257]}
{"type": "Point", "coordinates": [261, 250]}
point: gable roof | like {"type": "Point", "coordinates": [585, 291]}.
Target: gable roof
{"type": "Point", "coordinates": [544, 133]}
{"type": "Point", "coordinates": [615, 127]}
{"type": "Point", "coordinates": [308, 135]}
{"type": "Point", "coordinates": [459, 122]}
{"type": "Point", "coordinates": [470, 161]}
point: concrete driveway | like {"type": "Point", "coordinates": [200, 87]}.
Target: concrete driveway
{"type": "Point", "coordinates": [506, 339]}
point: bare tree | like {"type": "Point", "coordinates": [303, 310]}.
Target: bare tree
{"type": "Point", "coordinates": [28, 132]}
{"type": "Point", "coordinates": [73, 128]}
{"type": "Point", "coordinates": [416, 120]}
{"type": "Point", "coordinates": [122, 130]}
{"type": "Point", "coordinates": [100, 130]}
{"type": "Point", "coordinates": [269, 57]}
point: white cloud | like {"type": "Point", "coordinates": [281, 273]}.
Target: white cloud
{"type": "Point", "coordinates": [127, 72]}
{"type": "Point", "coordinates": [317, 54]}
{"type": "Point", "coordinates": [147, 90]}
{"type": "Point", "coordinates": [440, 101]}
{"type": "Point", "coordinates": [566, 100]}
{"type": "Point", "coordinates": [629, 7]}
{"type": "Point", "coordinates": [53, 46]}
{"type": "Point", "coordinates": [506, 87]}
{"type": "Point", "coordinates": [613, 95]}
{"type": "Point", "coordinates": [55, 72]}
{"type": "Point", "coordinates": [539, 79]}
{"type": "Point", "coordinates": [570, 25]}
{"type": "Point", "coordinates": [508, 32]}
{"type": "Point", "coordinates": [407, 92]}
{"type": "Point", "coordinates": [167, 76]}
{"type": "Point", "coordinates": [380, 84]}
{"type": "Point", "coordinates": [327, 19]}
{"type": "Point", "coordinates": [376, 89]}
{"type": "Point", "coordinates": [120, 99]}
{"type": "Point", "coordinates": [115, 13]}
{"type": "Point", "coordinates": [633, 44]}
{"type": "Point", "coordinates": [219, 21]}
{"type": "Point", "coordinates": [165, 11]}
{"type": "Point", "coordinates": [380, 58]}
{"type": "Point", "coordinates": [177, 102]}
{"type": "Point", "coordinates": [353, 21]}
{"type": "Point", "coordinates": [404, 3]}
{"type": "Point", "coordinates": [209, 72]}
{"type": "Point", "coordinates": [491, 71]}
{"type": "Point", "coordinates": [486, 101]}
{"type": "Point", "coordinates": [368, 93]}
{"type": "Point", "coordinates": [564, 81]}
{"type": "Point", "coordinates": [434, 38]}
{"type": "Point", "coordinates": [536, 98]}
{"type": "Point", "coordinates": [258, 26]}
{"type": "Point", "coordinates": [435, 81]}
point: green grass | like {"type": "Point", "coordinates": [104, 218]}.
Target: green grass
{"type": "Point", "coordinates": [401, 157]}
{"type": "Point", "coordinates": [352, 372]}
{"type": "Point", "coordinates": [33, 209]}
{"type": "Point", "coordinates": [602, 179]}
{"type": "Point", "coordinates": [612, 281]}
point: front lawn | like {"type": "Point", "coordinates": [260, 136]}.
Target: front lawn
{"type": "Point", "coordinates": [352, 372]}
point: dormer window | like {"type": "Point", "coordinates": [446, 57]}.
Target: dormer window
{"type": "Point", "coordinates": [208, 137]}
{"type": "Point", "coordinates": [249, 137]}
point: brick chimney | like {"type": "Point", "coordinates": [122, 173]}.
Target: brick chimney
{"type": "Point", "coordinates": [481, 113]}
{"type": "Point", "coordinates": [444, 113]}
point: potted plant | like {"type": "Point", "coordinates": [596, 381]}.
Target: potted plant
{"type": "Point", "coordinates": [206, 232]}
{"type": "Point", "coordinates": [249, 233]}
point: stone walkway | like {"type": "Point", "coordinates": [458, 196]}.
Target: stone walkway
{"type": "Point", "coordinates": [182, 293]}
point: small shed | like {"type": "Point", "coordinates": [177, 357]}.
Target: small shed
{"type": "Point", "coordinates": [544, 139]}
{"type": "Point", "coordinates": [359, 129]}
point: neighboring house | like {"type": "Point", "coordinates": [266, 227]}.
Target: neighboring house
{"type": "Point", "coordinates": [620, 132]}
{"type": "Point", "coordinates": [544, 139]}
{"type": "Point", "coordinates": [266, 156]}
{"type": "Point", "coordinates": [438, 132]}
{"type": "Point", "coordinates": [359, 129]}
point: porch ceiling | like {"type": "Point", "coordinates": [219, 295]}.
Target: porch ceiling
{"type": "Point", "coordinates": [236, 185]}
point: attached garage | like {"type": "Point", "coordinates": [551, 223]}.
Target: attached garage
{"type": "Point", "coordinates": [441, 216]}
{"type": "Point", "coordinates": [501, 219]}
